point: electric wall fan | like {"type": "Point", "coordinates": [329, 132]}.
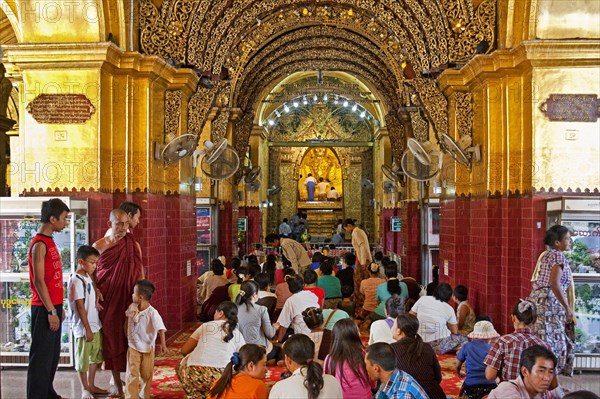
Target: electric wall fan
{"type": "Point", "coordinates": [273, 190]}
{"type": "Point", "coordinates": [422, 161]}
{"type": "Point", "coordinates": [219, 161]}
{"type": "Point", "coordinates": [251, 179]}
{"type": "Point", "coordinates": [176, 148]}
{"type": "Point", "coordinates": [393, 173]}
{"type": "Point", "coordinates": [462, 151]}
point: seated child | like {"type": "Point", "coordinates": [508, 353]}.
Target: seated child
{"type": "Point", "coordinates": [143, 325]}
{"type": "Point", "coordinates": [465, 315]}
{"type": "Point", "coordinates": [243, 376]}
{"type": "Point", "coordinates": [347, 304]}
{"type": "Point", "coordinates": [86, 321]}
{"type": "Point", "coordinates": [473, 353]}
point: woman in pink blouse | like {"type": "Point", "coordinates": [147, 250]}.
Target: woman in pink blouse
{"type": "Point", "coordinates": [345, 361]}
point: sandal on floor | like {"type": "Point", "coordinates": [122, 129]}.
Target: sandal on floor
{"type": "Point", "coordinates": [85, 394]}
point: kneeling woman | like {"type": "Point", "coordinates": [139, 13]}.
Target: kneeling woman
{"type": "Point", "coordinates": [243, 376]}
{"type": "Point", "coordinates": [307, 380]}
{"type": "Point", "coordinates": [208, 350]}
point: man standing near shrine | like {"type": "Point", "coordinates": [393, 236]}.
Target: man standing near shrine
{"type": "Point", "coordinates": [310, 183]}
{"type": "Point", "coordinates": [119, 267]}
{"type": "Point", "coordinates": [362, 250]}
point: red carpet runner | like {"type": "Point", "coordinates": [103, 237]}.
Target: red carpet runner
{"type": "Point", "coordinates": [165, 383]}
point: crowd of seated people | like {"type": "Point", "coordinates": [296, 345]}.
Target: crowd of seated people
{"type": "Point", "coordinates": [308, 323]}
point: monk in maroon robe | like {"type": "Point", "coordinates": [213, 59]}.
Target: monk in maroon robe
{"type": "Point", "coordinates": [118, 269]}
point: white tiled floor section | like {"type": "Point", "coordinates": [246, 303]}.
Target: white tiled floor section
{"type": "Point", "coordinates": [67, 384]}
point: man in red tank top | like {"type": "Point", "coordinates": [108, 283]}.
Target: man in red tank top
{"type": "Point", "coordinates": [46, 278]}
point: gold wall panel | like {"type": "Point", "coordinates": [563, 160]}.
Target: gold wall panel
{"type": "Point", "coordinates": [61, 21]}
{"type": "Point", "coordinates": [113, 151]}
{"type": "Point", "coordinates": [557, 19]}
{"type": "Point", "coordinates": [521, 150]}
{"type": "Point", "coordinates": [567, 154]}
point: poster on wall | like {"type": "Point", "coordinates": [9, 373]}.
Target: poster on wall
{"type": "Point", "coordinates": [203, 227]}
{"type": "Point", "coordinates": [433, 228]}
{"type": "Point", "coordinates": [202, 261]}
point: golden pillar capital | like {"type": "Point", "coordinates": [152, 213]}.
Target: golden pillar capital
{"type": "Point", "coordinates": [90, 116]}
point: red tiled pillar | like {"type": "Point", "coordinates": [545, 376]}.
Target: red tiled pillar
{"type": "Point", "coordinates": [491, 245]}
{"type": "Point", "coordinates": [226, 238]}
{"type": "Point", "coordinates": [254, 233]}
{"type": "Point", "coordinates": [392, 241]}
{"type": "Point", "coordinates": [411, 253]}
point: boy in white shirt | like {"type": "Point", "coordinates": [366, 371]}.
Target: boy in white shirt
{"type": "Point", "coordinates": [143, 325]}
{"type": "Point", "coordinates": [85, 321]}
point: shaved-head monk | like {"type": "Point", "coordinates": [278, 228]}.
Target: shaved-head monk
{"type": "Point", "coordinates": [118, 269]}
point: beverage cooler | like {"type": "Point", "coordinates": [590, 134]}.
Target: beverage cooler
{"type": "Point", "coordinates": [206, 239]}
{"type": "Point", "coordinates": [19, 223]}
{"type": "Point", "coordinates": [581, 215]}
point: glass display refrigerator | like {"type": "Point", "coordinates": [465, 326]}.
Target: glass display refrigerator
{"type": "Point", "coordinates": [206, 240]}
{"type": "Point", "coordinates": [581, 215]}
{"type": "Point", "coordinates": [19, 223]}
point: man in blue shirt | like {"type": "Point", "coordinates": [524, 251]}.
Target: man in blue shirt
{"type": "Point", "coordinates": [394, 384]}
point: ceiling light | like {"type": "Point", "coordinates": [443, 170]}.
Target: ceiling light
{"type": "Point", "coordinates": [304, 101]}
{"type": "Point", "coordinates": [271, 123]}
{"type": "Point", "coordinates": [363, 114]}
{"type": "Point", "coordinates": [286, 108]}
{"type": "Point", "coordinates": [325, 98]}
{"type": "Point", "coordinates": [315, 98]}
{"type": "Point", "coordinates": [296, 104]}
{"type": "Point", "coordinates": [354, 107]}
{"type": "Point", "coordinates": [345, 104]}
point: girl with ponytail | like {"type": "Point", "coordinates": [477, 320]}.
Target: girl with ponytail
{"type": "Point", "coordinates": [416, 357]}
{"type": "Point", "coordinates": [243, 376]}
{"type": "Point", "coordinates": [253, 319]}
{"type": "Point", "coordinates": [307, 380]}
{"type": "Point", "coordinates": [208, 349]}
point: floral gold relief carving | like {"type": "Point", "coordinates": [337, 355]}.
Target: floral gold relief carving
{"type": "Point", "coordinates": [434, 102]}
{"type": "Point", "coordinates": [198, 108]}
{"type": "Point", "coordinates": [219, 125]}
{"type": "Point", "coordinates": [172, 111]}
{"type": "Point", "coordinates": [463, 108]}
{"type": "Point", "coordinates": [247, 45]}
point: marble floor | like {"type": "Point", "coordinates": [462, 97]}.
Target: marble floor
{"type": "Point", "coordinates": [67, 384]}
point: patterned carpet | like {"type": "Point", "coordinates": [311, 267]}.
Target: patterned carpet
{"type": "Point", "coordinates": [165, 384]}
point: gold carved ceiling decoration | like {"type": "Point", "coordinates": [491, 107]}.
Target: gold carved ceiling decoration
{"type": "Point", "coordinates": [434, 102]}
{"type": "Point", "coordinates": [252, 43]}
{"type": "Point", "coordinates": [420, 127]}
{"type": "Point", "coordinates": [321, 121]}
{"type": "Point", "coordinates": [172, 111]}
{"type": "Point", "coordinates": [243, 129]}
{"type": "Point", "coordinates": [219, 125]}
{"type": "Point", "coordinates": [396, 132]}
{"type": "Point", "coordinates": [463, 107]}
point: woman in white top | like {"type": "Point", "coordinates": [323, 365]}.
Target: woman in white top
{"type": "Point", "coordinates": [437, 320]}
{"type": "Point", "coordinates": [208, 351]}
{"type": "Point", "coordinates": [381, 330]}
{"type": "Point", "coordinates": [307, 380]}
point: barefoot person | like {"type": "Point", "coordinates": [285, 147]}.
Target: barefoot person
{"type": "Point", "coordinates": [119, 267]}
